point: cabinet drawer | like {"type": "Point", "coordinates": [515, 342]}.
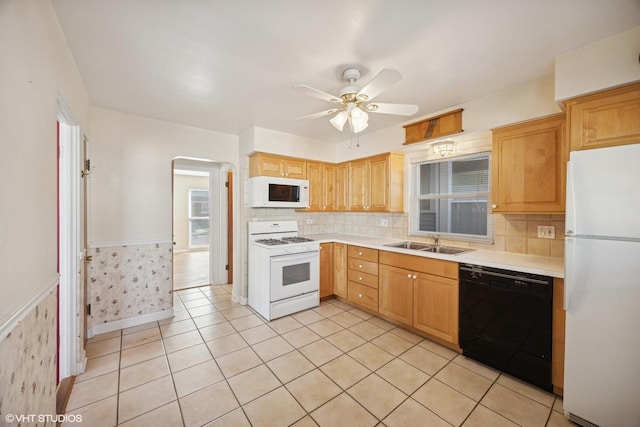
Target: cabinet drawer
{"type": "Point", "coordinates": [366, 254]}
{"type": "Point", "coordinates": [363, 278]}
{"type": "Point", "coordinates": [363, 295]}
{"type": "Point", "coordinates": [364, 266]}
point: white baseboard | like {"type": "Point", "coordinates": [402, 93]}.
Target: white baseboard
{"type": "Point", "coordinates": [130, 322]}
{"type": "Point", "coordinates": [82, 363]}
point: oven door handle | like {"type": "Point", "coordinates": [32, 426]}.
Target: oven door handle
{"type": "Point", "coordinates": [294, 256]}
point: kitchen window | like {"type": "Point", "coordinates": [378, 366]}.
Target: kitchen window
{"type": "Point", "coordinates": [198, 218]}
{"type": "Point", "coordinates": [450, 198]}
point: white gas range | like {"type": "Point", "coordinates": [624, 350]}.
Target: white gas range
{"type": "Point", "coordinates": [284, 269]}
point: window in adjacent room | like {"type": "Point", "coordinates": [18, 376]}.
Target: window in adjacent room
{"type": "Point", "coordinates": [198, 218]}
{"type": "Point", "coordinates": [450, 197]}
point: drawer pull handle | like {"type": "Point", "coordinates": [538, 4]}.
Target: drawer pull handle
{"type": "Point", "coordinates": [359, 295]}
{"type": "Point", "coordinates": [360, 253]}
{"type": "Point", "coordinates": [359, 265]}
{"type": "Point", "coordinates": [359, 277]}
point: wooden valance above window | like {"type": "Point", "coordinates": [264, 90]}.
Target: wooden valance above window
{"type": "Point", "coordinates": [434, 127]}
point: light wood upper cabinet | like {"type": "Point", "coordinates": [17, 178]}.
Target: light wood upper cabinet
{"type": "Point", "coordinates": [322, 181]}
{"type": "Point", "coordinates": [326, 270]}
{"type": "Point", "coordinates": [529, 166]}
{"type": "Point", "coordinates": [342, 187]}
{"type": "Point", "coordinates": [604, 119]}
{"type": "Point", "coordinates": [263, 164]}
{"type": "Point", "coordinates": [340, 269]}
{"type": "Point", "coordinates": [376, 183]}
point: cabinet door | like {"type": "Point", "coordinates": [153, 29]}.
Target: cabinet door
{"type": "Point", "coordinates": [605, 119]}
{"type": "Point", "coordinates": [266, 165]}
{"type": "Point", "coordinates": [395, 290]}
{"type": "Point", "coordinates": [294, 168]}
{"type": "Point", "coordinates": [358, 182]}
{"type": "Point", "coordinates": [314, 175]}
{"type": "Point", "coordinates": [436, 306]}
{"type": "Point", "coordinates": [328, 187]}
{"type": "Point", "coordinates": [340, 269]}
{"type": "Point", "coordinates": [342, 187]}
{"type": "Point", "coordinates": [529, 167]}
{"type": "Point", "coordinates": [326, 269]}
{"type": "Point", "coordinates": [377, 189]}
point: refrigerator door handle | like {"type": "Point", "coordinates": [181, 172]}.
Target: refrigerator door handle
{"type": "Point", "coordinates": [569, 263]}
{"type": "Point", "coordinates": [570, 203]}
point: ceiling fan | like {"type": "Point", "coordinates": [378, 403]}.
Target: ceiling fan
{"type": "Point", "coordinates": [353, 102]}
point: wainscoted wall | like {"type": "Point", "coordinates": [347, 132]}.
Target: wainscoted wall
{"type": "Point", "coordinates": [28, 363]}
{"type": "Point", "coordinates": [129, 280]}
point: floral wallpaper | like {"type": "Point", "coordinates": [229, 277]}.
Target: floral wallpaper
{"type": "Point", "coordinates": [28, 364]}
{"type": "Point", "coordinates": [129, 281]}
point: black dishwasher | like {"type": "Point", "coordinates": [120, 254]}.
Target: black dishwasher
{"type": "Point", "coordinates": [505, 321]}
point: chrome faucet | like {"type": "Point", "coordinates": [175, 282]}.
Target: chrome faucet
{"type": "Point", "coordinates": [436, 239]}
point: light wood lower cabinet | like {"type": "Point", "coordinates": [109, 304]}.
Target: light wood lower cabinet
{"type": "Point", "coordinates": [557, 349]}
{"type": "Point", "coordinates": [396, 293]}
{"type": "Point", "coordinates": [362, 275]}
{"type": "Point", "coordinates": [326, 270]}
{"type": "Point", "coordinates": [435, 301]}
{"type": "Point", "coordinates": [340, 270]}
{"type": "Point", "coordinates": [421, 293]}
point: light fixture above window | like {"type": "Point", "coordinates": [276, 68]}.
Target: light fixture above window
{"type": "Point", "coordinates": [444, 148]}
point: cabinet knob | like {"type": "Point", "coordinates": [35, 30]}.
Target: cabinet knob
{"type": "Point", "coordinates": [360, 278]}
{"type": "Point", "coordinates": [359, 265]}
{"type": "Point", "coordinates": [415, 277]}
{"type": "Point", "coordinates": [360, 253]}
{"type": "Point", "coordinates": [409, 275]}
{"type": "Point", "coordinates": [359, 295]}
{"type": "Point", "coordinates": [493, 206]}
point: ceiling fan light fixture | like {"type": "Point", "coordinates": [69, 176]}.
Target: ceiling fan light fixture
{"type": "Point", "coordinates": [358, 120]}
{"type": "Point", "coordinates": [371, 107]}
{"type": "Point", "coordinates": [339, 120]}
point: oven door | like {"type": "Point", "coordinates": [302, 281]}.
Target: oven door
{"type": "Point", "coordinates": [294, 274]}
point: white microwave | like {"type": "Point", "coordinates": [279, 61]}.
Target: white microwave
{"type": "Point", "coordinates": [273, 192]}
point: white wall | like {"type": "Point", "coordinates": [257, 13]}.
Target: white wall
{"type": "Point", "coordinates": [35, 68]}
{"type": "Point", "coordinates": [606, 63]}
{"type": "Point", "coordinates": [130, 186]}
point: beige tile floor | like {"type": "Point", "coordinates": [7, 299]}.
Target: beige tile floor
{"type": "Point", "coordinates": [217, 363]}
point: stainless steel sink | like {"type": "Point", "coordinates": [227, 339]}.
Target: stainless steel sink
{"type": "Point", "coordinates": [410, 245]}
{"type": "Point", "coordinates": [447, 250]}
{"type": "Point", "coordinates": [425, 247]}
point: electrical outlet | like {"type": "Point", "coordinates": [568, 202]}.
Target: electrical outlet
{"type": "Point", "coordinates": [309, 221]}
{"type": "Point", "coordinates": [384, 222]}
{"type": "Point", "coordinates": [546, 232]}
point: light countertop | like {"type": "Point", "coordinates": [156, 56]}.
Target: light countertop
{"type": "Point", "coordinates": [547, 266]}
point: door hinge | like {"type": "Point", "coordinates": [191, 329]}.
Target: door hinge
{"type": "Point", "coordinates": [88, 309]}
{"type": "Point", "coordinates": [87, 165]}
{"type": "Point", "coordinates": [226, 184]}
{"type": "Point", "coordinates": [226, 267]}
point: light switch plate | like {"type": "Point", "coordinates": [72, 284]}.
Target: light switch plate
{"type": "Point", "coordinates": [546, 232]}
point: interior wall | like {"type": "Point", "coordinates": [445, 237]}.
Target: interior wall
{"type": "Point", "coordinates": [131, 181]}
{"type": "Point", "coordinates": [606, 63]}
{"type": "Point", "coordinates": [36, 68]}
{"type": "Point", "coordinates": [181, 186]}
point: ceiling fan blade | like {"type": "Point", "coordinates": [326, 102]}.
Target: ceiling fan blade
{"type": "Point", "coordinates": [383, 80]}
{"type": "Point", "coordinates": [308, 90]}
{"type": "Point", "coordinates": [320, 114]}
{"type": "Point", "coordinates": [399, 109]}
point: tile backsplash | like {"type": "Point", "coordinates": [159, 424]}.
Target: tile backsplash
{"type": "Point", "coordinates": [512, 233]}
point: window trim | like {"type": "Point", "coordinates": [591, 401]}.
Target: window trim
{"type": "Point", "coordinates": [191, 218]}
{"type": "Point", "coordinates": [414, 198]}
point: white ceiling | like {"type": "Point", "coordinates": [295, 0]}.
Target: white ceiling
{"type": "Point", "coordinates": [228, 65]}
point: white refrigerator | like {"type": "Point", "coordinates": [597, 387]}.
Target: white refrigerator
{"type": "Point", "coordinates": [602, 287]}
